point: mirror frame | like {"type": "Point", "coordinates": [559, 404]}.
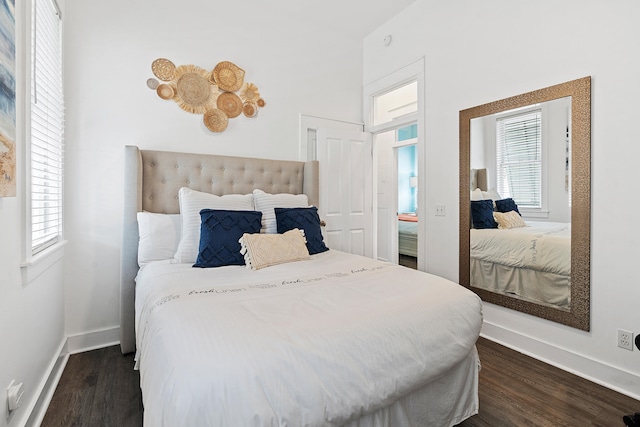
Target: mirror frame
{"type": "Point", "coordinates": [580, 91]}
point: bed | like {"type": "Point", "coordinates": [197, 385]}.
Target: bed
{"type": "Point", "coordinates": [408, 234]}
{"type": "Point", "coordinates": [331, 339]}
{"type": "Point", "coordinates": [531, 262]}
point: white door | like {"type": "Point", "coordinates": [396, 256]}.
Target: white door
{"type": "Point", "coordinates": [346, 160]}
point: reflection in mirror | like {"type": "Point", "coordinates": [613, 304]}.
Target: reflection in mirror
{"type": "Point", "coordinates": [520, 160]}
{"type": "Point", "coordinates": [523, 154]}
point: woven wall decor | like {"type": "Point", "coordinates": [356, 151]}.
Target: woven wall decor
{"type": "Point", "coordinates": [215, 120]}
{"type": "Point", "coordinates": [165, 91]}
{"type": "Point", "coordinates": [230, 103]}
{"type": "Point", "coordinates": [163, 69]}
{"type": "Point", "coordinates": [219, 95]}
{"type": "Point", "coordinates": [228, 76]}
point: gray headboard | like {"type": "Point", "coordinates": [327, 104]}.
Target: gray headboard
{"type": "Point", "coordinates": [479, 179]}
{"type": "Point", "coordinates": [151, 183]}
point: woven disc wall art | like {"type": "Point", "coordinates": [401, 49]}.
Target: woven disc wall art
{"type": "Point", "coordinates": [250, 93]}
{"type": "Point", "coordinates": [230, 103]}
{"type": "Point", "coordinates": [228, 76]}
{"type": "Point", "coordinates": [163, 69]}
{"type": "Point", "coordinates": [165, 91]}
{"type": "Point", "coordinates": [249, 109]}
{"type": "Point", "coordinates": [219, 95]}
{"type": "Point", "coordinates": [152, 83]}
{"type": "Point", "coordinates": [215, 120]}
{"type": "Point", "coordinates": [194, 92]}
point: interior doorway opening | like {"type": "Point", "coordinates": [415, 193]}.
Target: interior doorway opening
{"type": "Point", "coordinates": [397, 195]}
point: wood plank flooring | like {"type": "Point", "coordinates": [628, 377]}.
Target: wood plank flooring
{"type": "Point", "coordinates": [408, 261]}
{"type": "Point", "coordinates": [97, 388]}
{"type": "Point", "coordinates": [100, 388]}
{"type": "Point", "coordinates": [517, 390]}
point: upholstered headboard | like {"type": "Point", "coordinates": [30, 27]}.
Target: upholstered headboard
{"type": "Point", "coordinates": [151, 183]}
{"type": "Point", "coordinates": [478, 179]}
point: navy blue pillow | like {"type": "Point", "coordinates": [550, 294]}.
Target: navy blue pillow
{"type": "Point", "coordinates": [482, 214]}
{"type": "Point", "coordinates": [220, 231]}
{"type": "Point", "coordinates": [507, 205]}
{"type": "Point", "coordinates": [306, 219]}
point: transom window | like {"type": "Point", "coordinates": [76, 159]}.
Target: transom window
{"type": "Point", "coordinates": [395, 104]}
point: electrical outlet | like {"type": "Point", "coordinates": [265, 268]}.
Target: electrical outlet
{"type": "Point", "coordinates": [14, 395]}
{"type": "Point", "coordinates": [625, 339]}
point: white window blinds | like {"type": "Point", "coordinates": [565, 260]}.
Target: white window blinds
{"type": "Point", "coordinates": [519, 158]}
{"type": "Point", "coordinates": [47, 119]}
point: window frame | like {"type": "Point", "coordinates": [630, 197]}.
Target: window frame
{"type": "Point", "coordinates": [532, 212]}
{"type": "Point", "coordinates": [35, 262]}
{"type": "Point", "coordinates": [509, 144]}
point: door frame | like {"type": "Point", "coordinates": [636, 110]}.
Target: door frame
{"type": "Point", "coordinates": [409, 73]}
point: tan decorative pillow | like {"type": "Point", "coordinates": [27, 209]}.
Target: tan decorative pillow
{"type": "Point", "coordinates": [511, 219]}
{"type": "Point", "coordinates": [264, 250]}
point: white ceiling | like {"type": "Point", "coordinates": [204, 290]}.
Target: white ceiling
{"type": "Point", "coordinates": [357, 18]}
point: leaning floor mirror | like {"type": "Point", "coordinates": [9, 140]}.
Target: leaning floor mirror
{"type": "Point", "coordinates": [525, 202]}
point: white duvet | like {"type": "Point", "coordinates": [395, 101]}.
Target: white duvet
{"type": "Point", "coordinates": [317, 342]}
{"type": "Point", "coordinates": [543, 246]}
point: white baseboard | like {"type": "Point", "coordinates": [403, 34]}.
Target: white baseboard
{"type": "Point", "coordinates": [595, 371]}
{"type": "Point", "coordinates": [93, 340]}
{"type": "Point", "coordinates": [71, 345]}
{"type": "Point", "coordinates": [35, 414]}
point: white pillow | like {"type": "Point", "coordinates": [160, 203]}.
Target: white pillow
{"type": "Point", "coordinates": [491, 194]}
{"type": "Point", "coordinates": [265, 203]}
{"type": "Point", "coordinates": [159, 236]}
{"type": "Point", "coordinates": [476, 194]}
{"type": "Point", "coordinates": [191, 203]}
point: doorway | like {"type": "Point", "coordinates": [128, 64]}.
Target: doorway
{"type": "Point", "coordinates": [407, 177]}
{"type": "Point", "coordinates": [397, 195]}
{"type": "Point", "coordinates": [394, 114]}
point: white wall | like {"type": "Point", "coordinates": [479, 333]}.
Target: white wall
{"type": "Point", "coordinates": [31, 313]}
{"type": "Point", "coordinates": [558, 203]}
{"type": "Point", "coordinates": [297, 66]}
{"type": "Point", "coordinates": [473, 55]}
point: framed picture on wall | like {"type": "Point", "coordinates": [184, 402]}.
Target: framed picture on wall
{"type": "Point", "coordinates": [7, 99]}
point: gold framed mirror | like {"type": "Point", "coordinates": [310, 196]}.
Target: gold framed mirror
{"type": "Point", "coordinates": [575, 309]}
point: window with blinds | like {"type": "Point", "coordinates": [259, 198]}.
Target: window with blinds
{"type": "Point", "coordinates": [519, 158]}
{"type": "Point", "coordinates": [47, 119]}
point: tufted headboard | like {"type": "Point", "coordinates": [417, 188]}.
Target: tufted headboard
{"type": "Point", "coordinates": [151, 183]}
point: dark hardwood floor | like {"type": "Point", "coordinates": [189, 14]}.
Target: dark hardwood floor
{"type": "Point", "coordinates": [408, 261]}
{"type": "Point", "coordinates": [97, 388]}
{"type": "Point", "coordinates": [517, 390]}
{"type": "Point", "coordinates": [100, 388]}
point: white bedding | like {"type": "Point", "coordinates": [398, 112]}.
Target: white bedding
{"type": "Point", "coordinates": [317, 342]}
{"type": "Point", "coordinates": [541, 246]}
